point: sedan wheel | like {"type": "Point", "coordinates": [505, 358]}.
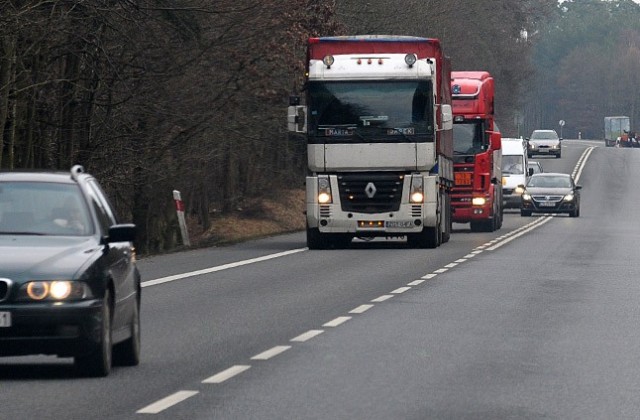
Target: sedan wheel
{"type": "Point", "coordinates": [127, 353]}
{"type": "Point", "coordinates": [97, 362]}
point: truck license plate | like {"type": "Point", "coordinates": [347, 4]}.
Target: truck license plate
{"type": "Point", "coordinates": [403, 224]}
{"type": "Point", "coordinates": [5, 319]}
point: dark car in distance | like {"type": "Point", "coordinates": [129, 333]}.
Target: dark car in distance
{"type": "Point", "coordinates": [69, 285]}
{"type": "Point", "coordinates": [551, 193]}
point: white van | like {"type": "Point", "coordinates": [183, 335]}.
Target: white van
{"type": "Point", "coordinates": [514, 170]}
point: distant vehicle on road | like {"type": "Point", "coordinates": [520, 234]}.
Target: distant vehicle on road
{"type": "Point", "coordinates": [544, 142]}
{"type": "Point", "coordinates": [551, 193]}
{"type": "Point", "coordinates": [535, 167]}
{"type": "Point", "coordinates": [514, 170]}
{"type": "Point", "coordinates": [614, 127]}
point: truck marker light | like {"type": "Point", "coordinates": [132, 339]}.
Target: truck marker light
{"type": "Point", "coordinates": [410, 59]}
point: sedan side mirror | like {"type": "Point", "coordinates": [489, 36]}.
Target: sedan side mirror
{"type": "Point", "coordinates": [578, 187]}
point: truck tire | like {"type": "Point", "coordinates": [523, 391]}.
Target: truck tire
{"type": "Point", "coordinates": [428, 238]}
{"type": "Point", "coordinates": [315, 239]}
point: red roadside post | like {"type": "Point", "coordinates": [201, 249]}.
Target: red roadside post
{"type": "Point", "coordinates": [180, 211]}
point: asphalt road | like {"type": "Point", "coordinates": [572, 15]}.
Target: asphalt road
{"type": "Point", "coordinates": [536, 320]}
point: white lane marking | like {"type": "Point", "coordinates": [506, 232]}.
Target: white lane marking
{"type": "Point", "coordinates": [461, 260]}
{"type": "Point", "coordinates": [441, 270]}
{"type": "Point", "coordinates": [361, 309]}
{"type": "Point", "coordinates": [220, 377]}
{"type": "Point", "coordinates": [382, 298]}
{"type": "Point", "coordinates": [335, 322]}
{"type": "Point", "coordinates": [415, 283]}
{"type": "Point", "coordinates": [476, 252]}
{"type": "Point", "coordinates": [400, 290]}
{"type": "Point", "coordinates": [167, 279]}
{"type": "Point", "coordinates": [429, 276]}
{"type": "Point", "coordinates": [577, 172]}
{"type": "Point", "coordinates": [532, 227]}
{"type": "Point", "coordinates": [451, 265]}
{"type": "Point", "coordinates": [470, 255]}
{"type": "Point", "coordinates": [266, 355]}
{"type": "Point", "coordinates": [167, 402]}
{"type": "Point", "coordinates": [307, 336]}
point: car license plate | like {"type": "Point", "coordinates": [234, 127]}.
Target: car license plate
{"type": "Point", "coordinates": [394, 224]}
{"type": "Point", "coordinates": [543, 150]}
{"type": "Point", "coordinates": [547, 204]}
{"type": "Point", "coordinates": [5, 319]}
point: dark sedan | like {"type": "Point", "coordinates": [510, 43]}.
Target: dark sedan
{"type": "Point", "coordinates": [551, 193]}
{"type": "Point", "coordinates": [69, 285]}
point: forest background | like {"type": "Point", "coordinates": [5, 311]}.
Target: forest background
{"type": "Point", "coordinates": [152, 96]}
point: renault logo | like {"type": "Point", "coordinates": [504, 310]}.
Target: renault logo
{"type": "Point", "coordinates": [370, 190]}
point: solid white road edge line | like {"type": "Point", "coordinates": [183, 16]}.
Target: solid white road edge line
{"type": "Point", "coordinates": [175, 277]}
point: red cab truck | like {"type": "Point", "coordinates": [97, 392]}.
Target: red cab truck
{"type": "Point", "coordinates": [377, 120]}
{"type": "Point", "coordinates": [476, 197]}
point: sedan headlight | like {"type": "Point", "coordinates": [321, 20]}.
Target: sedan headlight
{"type": "Point", "coordinates": [54, 290]}
{"type": "Point", "coordinates": [526, 196]}
{"type": "Point", "coordinates": [569, 197]}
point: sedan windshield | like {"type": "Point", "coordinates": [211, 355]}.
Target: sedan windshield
{"type": "Point", "coordinates": [360, 111]}
{"type": "Point", "coordinates": [544, 135]}
{"type": "Point", "coordinates": [549, 182]}
{"type": "Point", "coordinates": [43, 208]}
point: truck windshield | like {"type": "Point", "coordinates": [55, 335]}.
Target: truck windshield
{"type": "Point", "coordinates": [469, 138]}
{"type": "Point", "coordinates": [372, 110]}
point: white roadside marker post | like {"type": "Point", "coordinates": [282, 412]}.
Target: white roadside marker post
{"type": "Point", "coordinates": [180, 211]}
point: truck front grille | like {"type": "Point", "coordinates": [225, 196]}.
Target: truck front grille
{"type": "Point", "coordinates": [371, 192]}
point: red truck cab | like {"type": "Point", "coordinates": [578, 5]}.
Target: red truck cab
{"type": "Point", "coordinates": [476, 197]}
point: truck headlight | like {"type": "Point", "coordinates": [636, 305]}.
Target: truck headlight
{"type": "Point", "coordinates": [416, 195]}
{"type": "Point", "coordinates": [324, 190]}
{"type": "Point", "coordinates": [479, 201]}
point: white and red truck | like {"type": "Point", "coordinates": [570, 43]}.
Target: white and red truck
{"type": "Point", "coordinates": [378, 123]}
{"type": "Point", "coordinates": [476, 197]}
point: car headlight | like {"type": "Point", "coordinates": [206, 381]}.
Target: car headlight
{"type": "Point", "coordinates": [54, 290]}
{"type": "Point", "coordinates": [526, 197]}
{"type": "Point", "coordinates": [518, 190]}
{"type": "Point", "coordinates": [568, 197]}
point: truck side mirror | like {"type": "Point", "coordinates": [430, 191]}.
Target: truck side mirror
{"type": "Point", "coordinates": [447, 117]}
{"type": "Point", "coordinates": [495, 139]}
{"type": "Point", "coordinates": [297, 118]}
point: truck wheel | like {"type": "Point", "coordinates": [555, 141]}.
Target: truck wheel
{"type": "Point", "coordinates": [315, 239]}
{"type": "Point", "coordinates": [428, 238]}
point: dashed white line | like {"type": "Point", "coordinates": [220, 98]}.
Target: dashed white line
{"type": "Point", "coordinates": [461, 260]}
{"type": "Point", "coordinates": [400, 290]}
{"type": "Point", "coordinates": [440, 270]}
{"type": "Point", "coordinates": [266, 355]}
{"type": "Point", "coordinates": [307, 336]}
{"type": "Point", "coordinates": [219, 268]}
{"type": "Point", "coordinates": [220, 377]}
{"type": "Point", "coordinates": [470, 255]}
{"type": "Point", "coordinates": [167, 402]}
{"type": "Point", "coordinates": [429, 276]}
{"type": "Point", "coordinates": [382, 298]}
{"type": "Point", "coordinates": [361, 309]}
{"type": "Point", "coordinates": [338, 321]}
{"type": "Point", "coordinates": [416, 283]}
{"type": "Point", "coordinates": [451, 265]}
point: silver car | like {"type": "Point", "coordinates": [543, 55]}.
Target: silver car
{"type": "Point", "coordinates": [544, 142]}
